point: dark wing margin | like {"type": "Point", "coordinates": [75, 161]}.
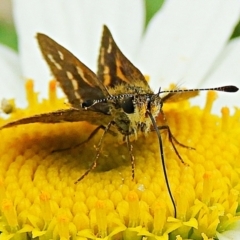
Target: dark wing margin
{"type": "Point", "coordinates": [114, 68]}
{"type": "Point", "coordinates": [63, 115]}
{"type": "Point", "coordinates": [78, 82]}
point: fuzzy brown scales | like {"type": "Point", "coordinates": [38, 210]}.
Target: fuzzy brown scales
{"type": "Point", "coordinates": [117, 98]}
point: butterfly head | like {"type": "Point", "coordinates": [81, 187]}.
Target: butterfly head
{"type": "Point", "coordinates": [137, 107]}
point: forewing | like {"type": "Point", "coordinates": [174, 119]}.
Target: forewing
{"type": "Point", "coordinates": [78, 82]}
{"type": "Point", "coordinates": [114, 68]}
{"type": "Point", "coordinates": [63, 115]}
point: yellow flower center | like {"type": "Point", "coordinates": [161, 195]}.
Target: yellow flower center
{"type": "Point", "coordinates": [39, 197]}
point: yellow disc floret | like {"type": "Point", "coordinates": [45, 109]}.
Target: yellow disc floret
{"type": "Point", "coordinates": [39, 198]}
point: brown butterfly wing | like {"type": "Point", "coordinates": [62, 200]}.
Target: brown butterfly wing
{"type": "Point", "coordinates": [114, 68]}
{"type": "Point", "coordinates": [63, 115]}
{"type": "Point", "coordinates": [78, 82]}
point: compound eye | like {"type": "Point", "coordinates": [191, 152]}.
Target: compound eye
{"type": "Point", "coordinates": [87, 103]}
{"type": "Point", "coordinates": [128, 105]}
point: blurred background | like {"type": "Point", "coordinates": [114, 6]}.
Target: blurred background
{"type": "Point", "coordinates": [8, 34]}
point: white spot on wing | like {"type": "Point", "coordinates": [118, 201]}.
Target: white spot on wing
{"type": "Point", "coordinates": [61, 55]}
{"type": "Point", "coordinates": [75, 84]}
{"type": "Point", "coordinates": [81, 73]}
{"type": "Point", "coordinates": [57, 65]}
{"type": "Point", "coordinates": [73, 80]}
{"type": "Point", "coordinates": [109, 46]}
{"type": "Point", "coordinates": [77, 95]}
{"type": "Point", "coordinates": [69, 75]}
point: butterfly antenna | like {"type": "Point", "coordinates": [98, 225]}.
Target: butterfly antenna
{"type": "Point", "coordinates": [159, 91]}
{"type": "Point", "coordinates": [163, 161]}
{"type": "Point", "coordinates": [228, 88]}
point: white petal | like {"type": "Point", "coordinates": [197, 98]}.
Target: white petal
{"type": "Point", "coordinates": [12, 84]}
{"type": "Point", "coordinates": [77, 25]}
{"type": "Point", "coordinates": [233, 234]}
{"type": "Point", "coordinates": [184, 39]}
{"type": "Point", "coordinates": [226, 71]}
{"type": "Point", "coordinates": [230, 235]}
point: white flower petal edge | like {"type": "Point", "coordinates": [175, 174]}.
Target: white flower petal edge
{"type": "Point", "coordinates": [226, 68]}
{"type": "Point", "coordinates": [230, 235]}
{"type": "Point", "coordinates": [184, 39]}
{"type": "Point", "coordinates": [233, 234]}
{"type": "Point", "coordinates": [225, 71]}
{"type": "Point", "coordinates": [77, 25]}
{"type": "Point", "coordinates": [12, 84]}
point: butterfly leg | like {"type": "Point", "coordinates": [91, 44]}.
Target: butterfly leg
{"type": "Point", "coordinates": [99, 147]}
{"type": "Point", "coordinates": [130, 148]}
{"type": "Point", "coordinates": [172, 139]}
{"type": "Point", "coordinates": [93, 133]}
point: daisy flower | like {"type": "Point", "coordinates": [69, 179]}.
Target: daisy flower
{"type": "Point", "coordinates": [186, 42]}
